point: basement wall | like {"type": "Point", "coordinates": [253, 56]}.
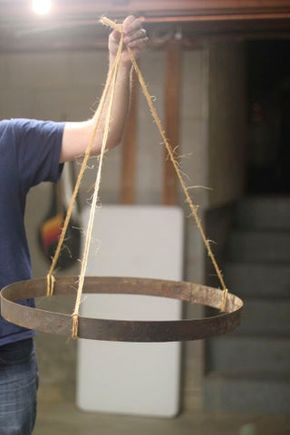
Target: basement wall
{"type": "Point", "coordinates": [66, 86]}
{"type": "Point", "coordinates": [227, 122]}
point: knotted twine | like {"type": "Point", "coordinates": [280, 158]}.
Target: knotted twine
{"type": "Point", "coordinates": [110, 90]}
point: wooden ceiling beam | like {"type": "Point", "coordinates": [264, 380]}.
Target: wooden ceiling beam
{"type": "Point", "coordinates": [16, 8]}
{"type": "Point", "coordinates": [74, 25]}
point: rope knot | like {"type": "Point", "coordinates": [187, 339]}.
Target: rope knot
{"type": "Point", "coordinates": [50, 279]}
{"type": "Point", "coordinates": [75, 325]}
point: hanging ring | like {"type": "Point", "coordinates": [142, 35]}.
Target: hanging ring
{"type": "Point", "coordinates": [123, 330]}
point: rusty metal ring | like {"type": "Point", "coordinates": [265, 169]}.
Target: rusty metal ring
{"type": "Point", "coordinates": [122, 330]}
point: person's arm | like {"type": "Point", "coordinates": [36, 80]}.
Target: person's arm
{"type": "Point", "coordinates": [77, 134]}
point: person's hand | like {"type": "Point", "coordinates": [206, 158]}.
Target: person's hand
{"type": "Point", "coordinates": [135, 38]}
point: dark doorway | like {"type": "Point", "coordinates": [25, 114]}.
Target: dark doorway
{"type": "Point", "coordinates": [268, 149]}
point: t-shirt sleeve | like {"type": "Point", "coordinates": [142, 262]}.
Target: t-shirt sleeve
{"type": "Point", "coordinates": [38, 148]}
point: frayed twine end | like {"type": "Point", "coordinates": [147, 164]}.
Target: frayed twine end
{"type": "Point", "coordinates": [75, 326]}
{"type": "Point", "coordinates": [112, 24]}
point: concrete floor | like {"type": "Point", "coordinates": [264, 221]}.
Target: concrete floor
{"type": "Point", "coordinates": [59, 416]}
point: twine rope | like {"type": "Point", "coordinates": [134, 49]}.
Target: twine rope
{"type": "Point", "coordinates": [193, 207]}
{"type": "Point", "coordinates": [75, 314]}
{"type": "Point", "coordinates": [185, 189]}
{"type": "Point", "coordinates": [84, 165]}
{"type": "Point", "coordinates": [110, 89]}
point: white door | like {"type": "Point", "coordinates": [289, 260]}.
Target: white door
{"type": "Point", "coordinates": [132, 378]}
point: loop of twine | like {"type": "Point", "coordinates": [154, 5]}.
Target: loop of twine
{"type": "Point", "coordinates": [96, 194]}
{"type": "Point", "coordinates": [110, 88]}
{"type": "Point", "coordinates": [50, 284]}
{"type": "Point", "coordinates": [193, 208]}
{"type": "Point", "coordinates": [87, 155]}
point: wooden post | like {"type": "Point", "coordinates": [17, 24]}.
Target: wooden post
{"type": "Point", "coordinates": [129, 148]}
{"type": "Point", "coordinates": [172, 115]}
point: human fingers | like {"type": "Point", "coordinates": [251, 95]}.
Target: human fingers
{"type": "Point", "coordinates": [138, 35]}
{"type": "Point", "coordinates": [128, 21]}
{"type": "Point", "coordinates": [132, 25]}
{"type": "Point", "coordinates": [138, 43]}
{"type": "Point", "coordinates": [115, 35]}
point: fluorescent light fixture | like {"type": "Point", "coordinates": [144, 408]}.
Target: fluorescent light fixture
{"type": "Point", "coordinates": [41, 7]}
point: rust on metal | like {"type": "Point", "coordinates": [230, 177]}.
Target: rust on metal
{"type": "Point", "coordinates": [123, 330]}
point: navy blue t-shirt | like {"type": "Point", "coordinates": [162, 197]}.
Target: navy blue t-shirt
{"type": "Point", "coordinates": [29, 153]}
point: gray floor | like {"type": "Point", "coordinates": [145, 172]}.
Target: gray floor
{"type": "Point", "coordinates": [58, 416]}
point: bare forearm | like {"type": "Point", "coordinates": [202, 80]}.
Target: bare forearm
{"type": "Point", "coordinates": [120, 108]}
{"type": "Point", "coordinates": [78, 134]}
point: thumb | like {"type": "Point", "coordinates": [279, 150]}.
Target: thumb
{"type": "Point", "coordinates": [115, 36]}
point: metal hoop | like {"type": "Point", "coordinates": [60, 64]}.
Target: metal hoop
{"type": "Point", "coordinates": [122, 330]}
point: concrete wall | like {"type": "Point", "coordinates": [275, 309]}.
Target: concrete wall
{"type": "Point", "coordinates": [227, 122]}
{"type": "Point", "coordinates": [66, 86]}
